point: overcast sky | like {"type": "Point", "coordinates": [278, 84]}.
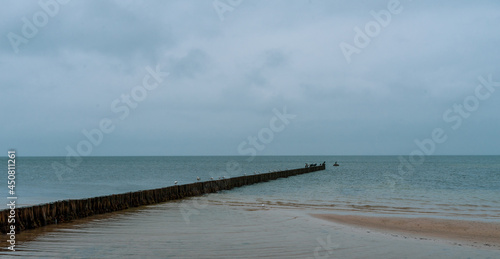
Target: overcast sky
{"type": "Point", "coordinates": [304, 77]}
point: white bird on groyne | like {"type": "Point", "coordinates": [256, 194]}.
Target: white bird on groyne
{"type": "Point", "coordinates": [175, 182]}
{"type": "Point", "coordinates": [197, 178]}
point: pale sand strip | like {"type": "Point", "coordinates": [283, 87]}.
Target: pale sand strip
{"type": "Point", "coordinates": [473, 232]}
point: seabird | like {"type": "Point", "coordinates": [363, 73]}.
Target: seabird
{"type": "Point", "coordinates": [198, 178]}
{"type": "Point", "coordinates": [175, 182]}
{"type": "Point", "coordinates": [211, 178]}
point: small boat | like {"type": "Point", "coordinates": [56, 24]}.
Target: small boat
{"type": "Point", "coordinates": [336, 164]}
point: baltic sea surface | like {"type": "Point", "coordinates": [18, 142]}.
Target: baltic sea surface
{"type": "Point", "coordinates": [262, 220]}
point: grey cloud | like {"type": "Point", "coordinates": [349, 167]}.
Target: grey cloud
{"type": "Point", "coordinates": [226, 77]}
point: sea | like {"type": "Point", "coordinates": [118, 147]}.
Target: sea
{"type": "Point", "coordinates": [264, 220]}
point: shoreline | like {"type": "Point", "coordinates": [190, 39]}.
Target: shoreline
{"type": "Point", "coordinates": [475, 233]}
{"type": "Point", "coordinates": [261, 231]}
{"type": "Point", "coordinates": [71, 209]}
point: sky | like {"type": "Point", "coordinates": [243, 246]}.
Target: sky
{"type": "Point", "coordinates": [249, 77]}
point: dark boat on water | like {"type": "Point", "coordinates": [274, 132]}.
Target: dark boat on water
{"type": "Point", "coordinates": [336, 164]}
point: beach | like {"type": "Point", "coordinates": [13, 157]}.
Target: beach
{"type": "Point", "coordinates": [449, 209]}
{"type": "Point", "coordinates": [474, 233]}
{"type": "Point", "coordinates": [224, 230]}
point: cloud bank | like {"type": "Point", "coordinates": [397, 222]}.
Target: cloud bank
{"type": "Point", "coordinates": [64, 63]}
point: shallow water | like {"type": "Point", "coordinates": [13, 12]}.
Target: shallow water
{"type": "Point", "coordinates": [262, 220]}
{"type": "Point", "coordinates": [215, 230]}
{"type": "Point", "coordinates": [464, 187]}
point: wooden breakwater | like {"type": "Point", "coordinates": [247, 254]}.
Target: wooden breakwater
{"type": "Point", "coordinates": [67, 210]}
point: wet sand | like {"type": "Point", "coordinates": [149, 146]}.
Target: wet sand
{"type": "Point", "coordinates": [220, 229]}
{"type": "Point", "coordinates": [471, 232]}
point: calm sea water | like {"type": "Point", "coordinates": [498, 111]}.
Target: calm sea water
{"type": "Point", "coordinates": [457, 186]}
{"type": "Point", "coordinates": [266, 219]}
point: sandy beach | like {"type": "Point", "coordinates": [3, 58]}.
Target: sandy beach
{"type": "Point", "coordinates": [468, 232]}
{"type": "Point", "coordinates": [273, 219]}
{"type": "Point", "coordinates": [161, 230]}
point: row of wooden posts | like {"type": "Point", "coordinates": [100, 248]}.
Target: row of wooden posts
{"type": "Point", "coordinates": [67, 210]}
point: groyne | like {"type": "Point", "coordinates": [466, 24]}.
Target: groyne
{"type": "Point", "coordinates": [67, 210]}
